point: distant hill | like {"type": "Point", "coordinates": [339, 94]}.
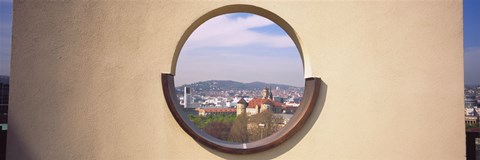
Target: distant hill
{"type": "Point", "coordinates": [225, 85]}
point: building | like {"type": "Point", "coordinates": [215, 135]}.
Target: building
{"type": "Point", "coordinates": [471, 120]}
{"type": "Point", "coordinates": [4, 89]}
{"type": "Point", "coordinates": [187, 97]}
{"type": "Point", "coordinates": [241, 106]}
{"type": "Point", "coordinates": [257, 105]}
{"type": "Point", "coordinates": [4, 94]}
{"type": "Point", "coordinates": [278, 99]}
{"type": "Point", "coordinates": [470, 101]}
{"type": "Point", "coordinates": [96, 99]}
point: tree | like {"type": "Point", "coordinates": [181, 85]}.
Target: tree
{"type": "Point", "coordinates": [202, 121]}
{"type": "Point", "coordinates": [271, 123]}
{"type": "Point", "coordinates": [476, 125]}
{"type": "Point", "coordinates": [238, 131]}
{"type": "Point", "coordinates": [217, 126]}
{"type": "Point", "coordinates": [218, 130]}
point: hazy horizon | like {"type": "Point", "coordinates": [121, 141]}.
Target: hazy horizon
{"type": "Point", "coordinates": [237, 81]}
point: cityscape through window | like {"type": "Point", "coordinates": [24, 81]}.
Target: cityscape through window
{"type": "Point", "coordinates": [239, 77]}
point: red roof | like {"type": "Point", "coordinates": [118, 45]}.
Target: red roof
{"type": "Point", "coordinates": [258, 101]}
{"type": "Point", "coordinates": [242, 101]}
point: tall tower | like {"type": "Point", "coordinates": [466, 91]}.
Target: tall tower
{"type": "Point", "coordinates": [186, 97]}
{"type": "Point", "coordinates": [270, 95]}
{"type": "Point", "coordinates": [265, 93]}
{"type": "Point", "coordinates": [241, 106]}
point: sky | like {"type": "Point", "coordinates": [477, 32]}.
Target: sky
{"type": "Point", "coordinates": [242, 47]}
{"type": "Point", "coordinates": [249, 41]}
{"type": "Point", "coordinates": [471, 33]}
{"type": "Point", "coordinates": [5, 35]}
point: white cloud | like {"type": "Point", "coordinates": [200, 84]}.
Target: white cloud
{"type": "Point", "coordinates": [224, 31]}
{"type": "Point", "coordinates": [237, 48]}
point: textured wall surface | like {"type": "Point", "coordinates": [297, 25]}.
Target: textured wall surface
{"type": "Point", "coordinates": [85, 80]}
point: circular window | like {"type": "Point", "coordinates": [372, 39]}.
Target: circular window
{"type": "Point", "coordinates": [239, 76]}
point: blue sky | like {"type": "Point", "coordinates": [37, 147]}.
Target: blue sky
{"type": "Point", "coordinates": [471, 32]}
{"type": "Point", "coordinates": [257, 42]}
{"type": "Point", "coordinates": [241, 47]}
{"type": "Point", "coordinates": [5, 35]}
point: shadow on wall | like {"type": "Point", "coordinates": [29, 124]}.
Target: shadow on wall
{"type": "Point", "coordinates": [291, 142]}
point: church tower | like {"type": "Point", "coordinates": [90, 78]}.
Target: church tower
{"type": "Point", "coordinates": [265, 93]}
{"type": "Point", "coordinates": [241, 106]}
{"type": "Point", "coordinates": [270, 96]}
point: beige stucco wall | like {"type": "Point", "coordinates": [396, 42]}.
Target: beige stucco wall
{"type": "Point", "coordinates": [85, 80]}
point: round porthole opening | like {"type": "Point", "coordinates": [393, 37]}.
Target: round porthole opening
{"type": "Point", "coordinates": [239, 85]}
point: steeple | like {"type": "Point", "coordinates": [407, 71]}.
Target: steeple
{"type": "Point", "coordinates": [270, 96]}
{"type": "Point", "coordinates": [265, 93]}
